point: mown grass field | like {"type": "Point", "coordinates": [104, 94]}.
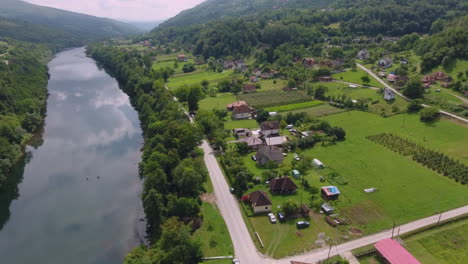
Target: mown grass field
{"type": "Point", "coordinates": [272, 84]}
{"type": "Point", "coordinates": [197, 77]}
{"type": "Point", "coordinates": [375, 100]}
{"type": "Point", "coordinates": [406, 190]}
{"type": "Point", "coordinates": [249, 123]}
{"type": "Point", "coordinates": [321, 110]}
{"type": "Point", "coordinates": [292, 107]}
{"type": "Point", "coordinates": [355, 77]}
{"type": "Point", "coordinates": [274, 98]}
{"type": "Point", "coordinates": [218, 102]}
{"type": "Point", "coordinates": [447, 244]}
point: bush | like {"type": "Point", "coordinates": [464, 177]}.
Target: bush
{"type": "Point", "coordinates": [189, 67]}
{"type": "Point", "coordinates": [414, 107]}
{"type": "Point", "coordinates": [429, 114]}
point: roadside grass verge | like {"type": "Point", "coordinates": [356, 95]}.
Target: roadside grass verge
{"type": "Point", "coordinates": [274, 98]}
{"type": "Point", "coordinates": [292, 107]}
{"type": "Point", "coordinates": [355, 77]}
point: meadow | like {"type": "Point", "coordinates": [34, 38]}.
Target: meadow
{"type": "Point", "coordinates": [292, 107]}
{"type": "Point", "coordinates": [406, 190]}
{"type": "Point", "coordinates": [321, 110]}
{"type": "Point", "coordinates": [218, 102]}
{"type": "Point", "coordinates": [355, 77]}
{"type": "Point", "coordinates": [197, 77]}
{"type": "Point", "coordinates": [274, 98]}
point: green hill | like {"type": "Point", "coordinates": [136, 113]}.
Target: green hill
{"type": "Point", "coordinates": [211, 10]}
{"type": "Point", "coordinates": [25, 21]}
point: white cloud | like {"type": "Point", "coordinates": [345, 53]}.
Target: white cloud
{"type": "Point", "coordinates": [135, 10]}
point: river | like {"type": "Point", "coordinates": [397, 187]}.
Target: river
{"type": "Point", "coordinates": [77, 198]}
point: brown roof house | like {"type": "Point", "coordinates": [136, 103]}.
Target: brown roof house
{"type": "Point", "coordinates": [260, 202]}
{"type": "Point", "coordinates": [325, 79]}
{"type": "Point", "coordinates": [241, 112]}
{"type": "Point", "coordinates": [182, 58]}
{"type": "Point", "coordinates": [235, 104]}
{"type": "Point", "coordinates": [266, 154]}
{"type": "Point", "coordinates": [249, 88]}
{"type": "Point", "coordinates": [283, 185]}
{"type": "Point", "coordinates": [308, 62]}
{"type": "Point", "coordinates": [270, 128]}
{"type": "Point", "coordinates": [252, 141]}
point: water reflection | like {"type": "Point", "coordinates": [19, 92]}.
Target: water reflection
{"type": "Point", "coordinates": [79, 200]}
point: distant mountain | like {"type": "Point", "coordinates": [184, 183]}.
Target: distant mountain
{"type": "Point", "coordinates": [28, 18]}
{"type": "Point", "coordinates": [144, 25]}
{"type": "Point", "coordinates": [215, 9]}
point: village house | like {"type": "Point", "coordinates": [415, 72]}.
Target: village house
{"type": "Point", "coordinates": [249, 88]}
{"type": "Point", "coordinates": [267, 154]}
{"type": "Point", "coordinates": [389, 94]}
{"type": "Point", "coordinates": [231, 107]}
{"type": "Point", "coordinates": [253, 79]}
{"type": "Point", "coordinates": [330, 192]}
{"type": "Point", "coordinates": [283, 185]}
{"type": "Point", "coordinates": [270, 128]}
{"type": "Point", "coordinates": [266, 75]}
{"type": "Point", "coordinates": [326, 63]}
{"type": "Point", "coordinates": [241, 112]}
{"type": "Point", "coordinates": [252, 141]}
{"type": "Point", "coordinates": [260, 202]}
{"type": "Point", "coordinates": [241, 132]}
{"type": "Point", "coordinates": [182, 58]}
{"type": "Point", "coordinates": [325, 79]}
{"type": "Point", "coordinates": [385, 63]}
{"type": "Point", "coordinates": [228, 64]}
{"type": "Point", "coordinates": [338, 62]}
{"type": "Point", "coordinates": [308, 62]}
{"type": "Point", "coordinates": [240, 65]}
{"type": "Point", "coordinates": [392, 78]}
{"type": "Point", "coordinates": [363, 54]}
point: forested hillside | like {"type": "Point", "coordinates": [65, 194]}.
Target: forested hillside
{"type": "Point", "coordinates": [211, 10]}
{"type": "Point", "coordinates": [23, 94]}
{"type": "Point", "coordinates": [41, 24]}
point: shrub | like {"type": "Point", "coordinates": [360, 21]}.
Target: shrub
{"type": "Point", "coordinates": [429, 114]}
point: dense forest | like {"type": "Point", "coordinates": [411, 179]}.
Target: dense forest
{"type": "Point", "coordinates": [172, 165]}
{"type": "Point", "coordinates": [58, 28]}
{"type": "Point", "coordinates": [23, 95]}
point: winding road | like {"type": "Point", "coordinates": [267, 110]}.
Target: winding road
{"type": "Point", "coordinates": [406, 98]}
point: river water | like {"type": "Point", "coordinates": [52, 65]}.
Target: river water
{"type": "Point", "coordinates": [77, 199]}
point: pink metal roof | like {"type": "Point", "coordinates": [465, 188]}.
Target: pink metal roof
{"type": "Point", "coordinates": [394, 253]}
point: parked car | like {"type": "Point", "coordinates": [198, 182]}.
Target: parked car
{"type": "Point", "coordinates": [272, 218]}
{"type": "Point", "coordinates": [281, 217]}
{"type": "Point", "coordinates": [289, 126]}
{"type": "Point", "coordinates": [235, 261]}
{"type": "Point", "coordinates": [254, 158]}
{"type": "Point", "coordinates": [231, 190]}
{"type": "Point", "coordinates": [302, 224]}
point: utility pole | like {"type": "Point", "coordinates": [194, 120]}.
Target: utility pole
{"type": "Point", "coordinates": [329, 251]}
{"type": "Point", "coordinates": [440, 216]}
{"type": "Point", "coordinates": [393, 229]}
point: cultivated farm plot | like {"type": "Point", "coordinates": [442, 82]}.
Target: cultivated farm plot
{"type": "Point", "coordinates": [292, 107]}
{"type": "Point", "coordinates": [274, 98]}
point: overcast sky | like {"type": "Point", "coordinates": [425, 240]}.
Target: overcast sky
{"type": "Point", "coordinates": [136, 10]}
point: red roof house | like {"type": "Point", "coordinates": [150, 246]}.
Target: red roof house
{"type": "Point", "coordinates": [235, 104]}
{"type": "Point", "coordinates": [249, 88]}
{"type": "Point", "coordinates": [394, 253]}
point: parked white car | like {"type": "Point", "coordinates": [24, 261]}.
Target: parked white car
{"type": "Point", "coordinates": [272, 218]}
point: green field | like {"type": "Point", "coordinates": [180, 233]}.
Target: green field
{"type": "Point", "coordinates": [406, 190]}
{"type": "Point", "coordinates": [274, 98]}
{"type": "Point", "coordinates": [321, 110]}
{"type": "Point", "coordinates": [447, 244]}
{"type": "Point", "coordinates": [250, 123]}
{"type": "Point", "coordinates": [292, 107]}
{"type": "Point", "coordinates": [372, 97]}
{"type": "Point", "coordinates": [197, 77]}
{"type": "Point", "coordinates": [355, 77]}
{"type": "Point", "coordinates": [218, 102]}
{"type": "Point", "coordinates": [268, 85]}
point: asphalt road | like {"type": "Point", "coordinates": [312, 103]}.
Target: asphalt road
{"type": "Point", "coordinates": [244, 246]}
{"type": "Point", "coordinates": [400, 94]}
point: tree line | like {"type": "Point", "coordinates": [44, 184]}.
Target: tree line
{"type": "Point", "coordinates": [434, 160]}
{"type": "Point", "coordinates": [172, 164]}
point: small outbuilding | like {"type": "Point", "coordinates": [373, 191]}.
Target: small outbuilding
{"type": "Point", "coordinates": [327, 209]}
{"type": "Point", "coordinates": [296, 174]}
{"type": "Point", "coordinates": [317, 164]}
{"type": "Point", "coordinates": [394, 253]}
{"type": "Point", "coordinates": [330, 192]}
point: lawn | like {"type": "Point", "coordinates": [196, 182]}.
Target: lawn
{"type": "Point", "coordinates": [406, 190]}
{"type": "Point", "coordinates": [197, 77]}
{"type": "Point", "coordinates": [272, 84]}
{"type": "Point", "coordinates": [355, 77]}
{"type": "Point", "coordinates": [249, 123]}
{"type": "Point", "coordinates": [447, 244]}
{"type": "Point", "coordinates": [292, 107]}
{"type": "Point", "coordinates": [274, 98]}
{"type": "Point", "coordinates": [372, 97]}
{"type": "Point", "coordinates": [218, 102]}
